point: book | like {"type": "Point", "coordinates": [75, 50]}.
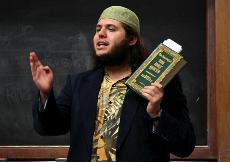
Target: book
{"type": "Point", "coordinates": [160, 66]}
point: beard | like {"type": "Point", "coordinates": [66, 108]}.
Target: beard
{"type": "Point", "coordinates": [118, 54]}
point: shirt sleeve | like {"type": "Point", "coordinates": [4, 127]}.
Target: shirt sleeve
{"type": "Point", "coordinates": [155, 121]}
{"type": "Point", "coordinates": [155, 124]}
{"type": "Point", "coordinates": [41, 106]}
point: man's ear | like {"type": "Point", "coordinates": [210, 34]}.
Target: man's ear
{"type": "Point", "coordinates": [132, 40]}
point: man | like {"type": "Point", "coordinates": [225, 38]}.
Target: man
{"type": "Point", "coordinates": [107, 121]}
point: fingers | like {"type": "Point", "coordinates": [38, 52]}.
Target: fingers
{"type": "Point", "coordinates": [42, 75]}
{"type": "Point", "coordinates": [153, 92]}
{"type": "Point", "coordinates": [153, 88]}
{"type": "Point", "coordinates": [34, 59]}
{"type": "Point", "coordinates": [42, 71]}
{"type": "Point", "coordinates": [157, 85]}
{"type": "Point", "coordinates": [34, 62]}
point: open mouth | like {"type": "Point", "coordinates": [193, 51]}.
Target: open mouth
{"type": "Point", "coordinates": [102, 44]}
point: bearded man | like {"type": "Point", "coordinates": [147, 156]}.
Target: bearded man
{"type": "Point", "coordinates": [107, 121]}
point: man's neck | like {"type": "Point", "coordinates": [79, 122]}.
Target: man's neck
{"type": "Point", "coordinates": [118, 72]}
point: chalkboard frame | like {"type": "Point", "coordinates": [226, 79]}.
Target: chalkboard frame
{"type": "Point", "coordinates": [201, 152]}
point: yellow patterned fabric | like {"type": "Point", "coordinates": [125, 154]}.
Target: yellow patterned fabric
{"type": "Point", "coordinates": [110, 100]}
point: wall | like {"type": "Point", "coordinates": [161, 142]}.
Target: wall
{"type": "Point", "coordinates": [223, 78]}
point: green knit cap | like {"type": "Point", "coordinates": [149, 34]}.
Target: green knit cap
{"type": "Point", "coordinates": [123, 15]}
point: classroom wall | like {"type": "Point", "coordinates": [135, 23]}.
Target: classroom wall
{"type": "Point", "coordinates": [223, 78]}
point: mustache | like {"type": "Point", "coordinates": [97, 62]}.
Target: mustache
{"type": "Point", "coordinates": [116, 56]}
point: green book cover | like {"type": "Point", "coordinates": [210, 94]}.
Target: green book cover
{"type": "Point", "coordinates": [161, 66]}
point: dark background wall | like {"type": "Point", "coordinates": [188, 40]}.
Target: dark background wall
{"type": "Point", "coordinates": [61, 33]}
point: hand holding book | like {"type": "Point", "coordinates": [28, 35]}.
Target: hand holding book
{"type": "Point", "coordinates": [154, 94]}
{"type": "Point", "coordinates": [160, 67]}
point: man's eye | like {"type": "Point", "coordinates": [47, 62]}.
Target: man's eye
{"type": "Point", "coordinates": [112, 29]}
{"type": "Point", "coordinates": [98, 29]}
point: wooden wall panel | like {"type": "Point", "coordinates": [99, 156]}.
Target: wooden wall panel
{"type": "Point", "coordinates": [223, 78]}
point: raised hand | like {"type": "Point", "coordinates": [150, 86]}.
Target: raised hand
{"type": "Point", "coordinates": [154, 94]}
{"type": "Point", "coordinates": [42, 75]}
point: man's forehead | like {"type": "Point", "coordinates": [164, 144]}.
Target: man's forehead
{"type": "Point", "coordinates": [109, 22]}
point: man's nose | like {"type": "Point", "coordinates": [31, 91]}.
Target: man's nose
{"type": "Point", "coordinates": [102, 32]}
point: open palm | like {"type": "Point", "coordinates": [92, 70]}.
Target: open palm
{"type": "Point", "coordinates": [42, 75]}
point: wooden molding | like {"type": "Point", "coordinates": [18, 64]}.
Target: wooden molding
{"type": "Point", "coordinates": [223, 78]}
